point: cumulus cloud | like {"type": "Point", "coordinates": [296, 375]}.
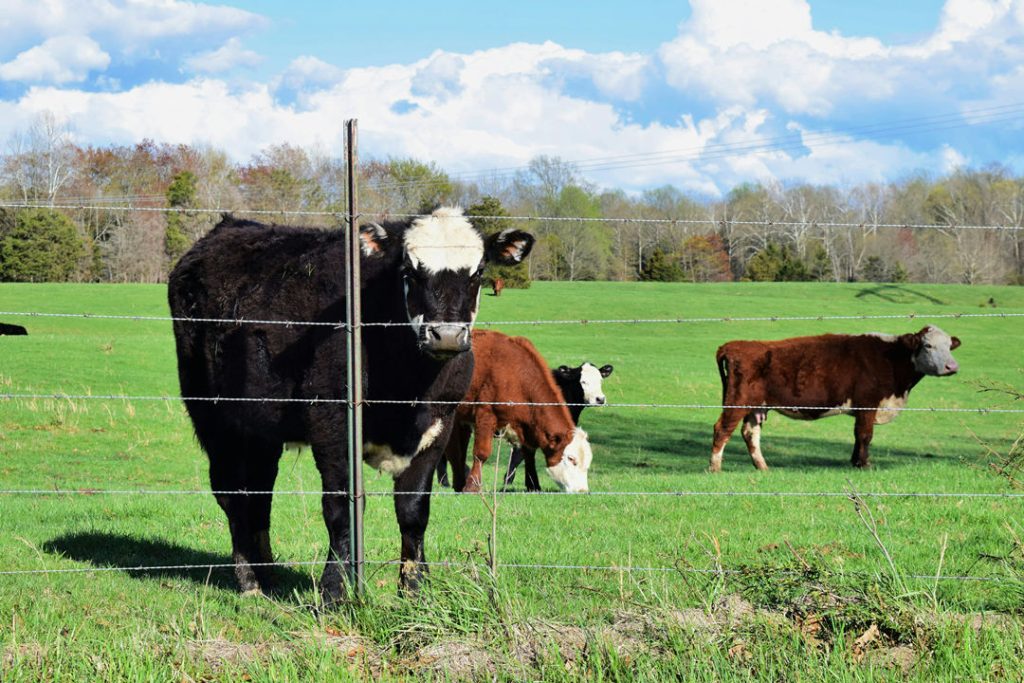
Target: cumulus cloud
{"type": "Point", "coordinates": [62, 59]}
{"type": "Point", "coordinates": [228, 56]}
{"type": "Point", "coordinates": [754, 71]}
{"type": "Point", "coordinates": [128, 23]}
{"type": "Point", "coordinates": [732, 51]}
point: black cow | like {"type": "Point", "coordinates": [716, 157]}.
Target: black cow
{"type": "Point", "coordinates": [580, 387]}
{"type": "Point", "coordinates": [424, 274]}
{"type": "Point", "coordinates": [13, 330]}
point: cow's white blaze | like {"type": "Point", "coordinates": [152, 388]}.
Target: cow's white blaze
{"type": "Point", "coordinates": [590, 381]}
{"type": "Point", "coordinates": [444, 240]}
{"type": "Point", "coordinates": [883, 336]}
{"type": "Point", "coordinates": [570, 473]}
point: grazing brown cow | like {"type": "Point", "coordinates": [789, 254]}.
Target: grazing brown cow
{"type": "Point", "coordinates": [509, 370]}
{"type": "Point", "coordinates": [868, 375]}
{"type": "Point", "coordinates": [498, 285]}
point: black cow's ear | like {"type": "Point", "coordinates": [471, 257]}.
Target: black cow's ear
{"type": "Point", "coordinates": [508, 247]}
{"type": "Point", "coordinates": [911, 341]}
{"type": "Point", "coordinates": [374, 239]}
{"type": "Point", "coordinates": [956, 343]}
{"type": "Point", "coordinates": [605, 370]}
{"type": "Point", "coordinates": [562, 371]}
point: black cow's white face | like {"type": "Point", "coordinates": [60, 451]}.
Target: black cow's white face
{"type": "Point", "coordinates": [443, 257]}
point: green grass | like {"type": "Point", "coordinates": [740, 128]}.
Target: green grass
{"type": "Point", "coordinates": [191, 625]}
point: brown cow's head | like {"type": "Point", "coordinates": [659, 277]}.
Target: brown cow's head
{"type": "Point", "coordinates": [931, 349]}
{"type": "Point", "coordinates": [570, 461]}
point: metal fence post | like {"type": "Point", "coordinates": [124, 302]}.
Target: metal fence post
{"type": "Point", "coordinates": [354, 364]}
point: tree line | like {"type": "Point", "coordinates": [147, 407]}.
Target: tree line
{"type": "Point", "coordinates": [760, 231]}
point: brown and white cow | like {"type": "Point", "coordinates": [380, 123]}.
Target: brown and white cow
{"type": "Point", "coordinates": [509, 370]}
{"type": "Point", "coordinates": [867, 375]}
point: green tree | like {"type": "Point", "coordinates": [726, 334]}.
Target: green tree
{"type": "Point", "coordinates": [660, 267]}
{"type": "Point", "coordinates": [40, 245]}
{"type": "Point", "coordinates": [181, 194]}
{"type": "Point", "coordinates": [777, 264]}
{"type": "Point", "coordinates": [488, 216]}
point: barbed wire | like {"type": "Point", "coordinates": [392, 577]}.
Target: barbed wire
{"type": "Point", "coordinates": [422, 402]}
{"type": "Point", "coordinates": [625, 220]}
{"type": "Point", "coordinates": [500, 565]}
{"type": "Point", "coordinates": [511, 323]}
{"type": "Point", "coordinates": [85, 491]}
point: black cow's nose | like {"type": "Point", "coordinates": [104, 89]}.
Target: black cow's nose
{"type": "Point", "coordinates": [599, 400]}
{"type": "Point", "coordinates": [446, 338]}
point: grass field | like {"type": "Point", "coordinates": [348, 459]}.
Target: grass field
{"type": "Point", "coordinates": [773, 588]}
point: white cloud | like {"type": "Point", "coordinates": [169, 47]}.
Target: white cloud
{"type": "Point", "coordinates": [62, 59]}
{"type": "Point", "coordinates": [734, 51]}
{"type": "Point", "coordinates": [228, 56]}
{"type": "Point", "coordinates": [129, 24]}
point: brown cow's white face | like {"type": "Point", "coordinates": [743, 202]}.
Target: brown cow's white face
{"type": "Point", "coordinates": [932, 351]}
{"type": "Point", "coordinates": [570, 471]}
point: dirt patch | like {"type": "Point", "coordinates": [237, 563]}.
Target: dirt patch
{"type": "Point", "coordinates": [538, 642]}
{"type": "Point", "coordinates": [455, 660]}
{"type": "Point", "coordinates": [900, 657]}
{"type": "Point", "coordinates": [219, 653]}
{"type": "Point", "coordinates": [30, 654]}
{"type": "Point", "coordinates": [360, 654]}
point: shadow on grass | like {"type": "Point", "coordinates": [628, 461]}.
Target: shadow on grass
{"type": "Point", "coordinates": [897, 294]}
{"type": "Point", "coordinates": [628, 442]}
{"type": "Point", "coordinates": [105, 550]}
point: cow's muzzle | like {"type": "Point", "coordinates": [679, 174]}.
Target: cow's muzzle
{"type": "Point", "coordinates": [445, 339]}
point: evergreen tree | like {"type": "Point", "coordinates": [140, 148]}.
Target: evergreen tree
{"type": "Point", "coordinates": [40, 245]}
{"type": "Point", "coordinates": [659, 267]}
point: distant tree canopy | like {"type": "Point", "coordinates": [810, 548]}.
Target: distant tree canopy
{"type": "Point", "coordinates": [39, 245]}
{"type": "Point", "coordinates": [757, 231]}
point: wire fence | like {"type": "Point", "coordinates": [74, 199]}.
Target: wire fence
{"type": "Point", "coordinates": [527, 218]}
{"type": "Point", "coordinates": [87, 491]}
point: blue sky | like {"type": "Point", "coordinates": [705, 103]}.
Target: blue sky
{"type": "Point", "coordinates": [702, 94]}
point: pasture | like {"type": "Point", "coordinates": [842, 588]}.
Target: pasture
{"type": "Point", "coordinates": [771, 587]}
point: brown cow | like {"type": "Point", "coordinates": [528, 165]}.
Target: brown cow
{"type": "Point", "coordinates": [510, 370]}
{"type": "Point", "coordinates": [498, 285]}
{"type": "Point", "coordinates": [868, 375]}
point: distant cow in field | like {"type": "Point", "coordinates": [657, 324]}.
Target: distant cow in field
{"type": "Point", "coordinates": [423, 274]}
{"type": "Point", "coordinates": [581, 387]}
{"type": "Point", "coordinates": [868, 375]}
{"type": "Point", "coordinates": [497, 286]}
{"type": "Point", "coordinates": [508, 370]}
{"type": "Point", "coordinates": [13, 330]}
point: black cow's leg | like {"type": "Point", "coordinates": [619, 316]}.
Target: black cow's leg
{"type": "Point", "coordinates": [260, 476]}
{"type": "Point", "coordinates": [442, 472]}
{"type": "Point", "coordinates": [455, 453]}
{"type": "Point", "coordinates": [513, 463]}
{"type": "Point", "coordinates": [333, 465]}
{"type": "Point", "coordinates": [532, 480]}
{"type": "Point", "coordinates": [228, 474]}
{"type": "Point", "coordinates": [863, 430]}
{"type": "Point", "coordinates": [412, 507]}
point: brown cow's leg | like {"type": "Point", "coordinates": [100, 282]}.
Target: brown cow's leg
{"type": "Point", "coordinates": [752, 436]}
{"type": "Point", "coordinates": [724, 428]}
{"type": "Point", "coordinates": [483, 435]}
{"type": "Point", "coordinates": [863, 430]}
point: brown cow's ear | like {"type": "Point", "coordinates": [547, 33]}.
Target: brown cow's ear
{"type": "Point", "coordinates": [956, 343]}
{"type": "Point", "coordinates": [911, 341]}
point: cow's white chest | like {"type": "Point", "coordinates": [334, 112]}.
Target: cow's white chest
{"type": "Point", "coordinates": [383, 459]}
{"type": "Point", "coordinates": [889, 408]}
